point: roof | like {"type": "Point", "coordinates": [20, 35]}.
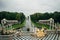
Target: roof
{"type": "Point", "coordinates": [12, 21]}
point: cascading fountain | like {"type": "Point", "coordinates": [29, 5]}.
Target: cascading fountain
{"type": "Point", "coordinates": [29, 24]}
{"type": "Point", "coordinates": [36, 31]}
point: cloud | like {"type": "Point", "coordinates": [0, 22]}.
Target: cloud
{"type": "Point", "coordinates": [30, 6]}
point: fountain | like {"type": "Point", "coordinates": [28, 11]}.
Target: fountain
{"type": "Point", "coordinates": [31, 28]}
{"type": "Point", "coordinates": [40, 33]}
{"type": "Point", "coordinates": [29, 24]}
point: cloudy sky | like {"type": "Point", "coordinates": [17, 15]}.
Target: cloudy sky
{"type": "Point", "coordinates": [30, 6]}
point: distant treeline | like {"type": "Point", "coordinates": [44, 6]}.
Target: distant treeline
{"type": "Point", "coordinates": [12, 16]}
{"type": "Point", "coordinates": [43, 16]}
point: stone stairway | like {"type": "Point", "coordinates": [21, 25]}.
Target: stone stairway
{"type": "Point", "coordinates": [29, 37]}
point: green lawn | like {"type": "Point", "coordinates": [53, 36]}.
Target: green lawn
{"type": "Point", "coordinates": [15, 26]}
{"type": "Point", "coordinates": [41, 25]}
{"type": "Point", "coordinates": [18, 26]}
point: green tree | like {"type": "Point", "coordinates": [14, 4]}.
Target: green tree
{"type": "Point", "coordinates": [18, 16]}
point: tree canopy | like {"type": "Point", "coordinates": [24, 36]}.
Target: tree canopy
{"type": "Point", "coordinates": [12, 16]}
{"type": "Point", "coordinates": [43, 16]}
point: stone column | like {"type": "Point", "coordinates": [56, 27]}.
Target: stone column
{"type": "Point", "coordinates": [50, 24]}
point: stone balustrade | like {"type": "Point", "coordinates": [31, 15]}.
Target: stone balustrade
{"type": "Point", "coordinates": [6, 37]}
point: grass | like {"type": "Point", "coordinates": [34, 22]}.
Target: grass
{"type": "Point", "coordinates": [16, 26]}
{"type": "Point", "coordinates": [41, 25]}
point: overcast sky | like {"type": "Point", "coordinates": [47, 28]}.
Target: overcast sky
{"type": "Point", "coordinates": [30, 6]}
